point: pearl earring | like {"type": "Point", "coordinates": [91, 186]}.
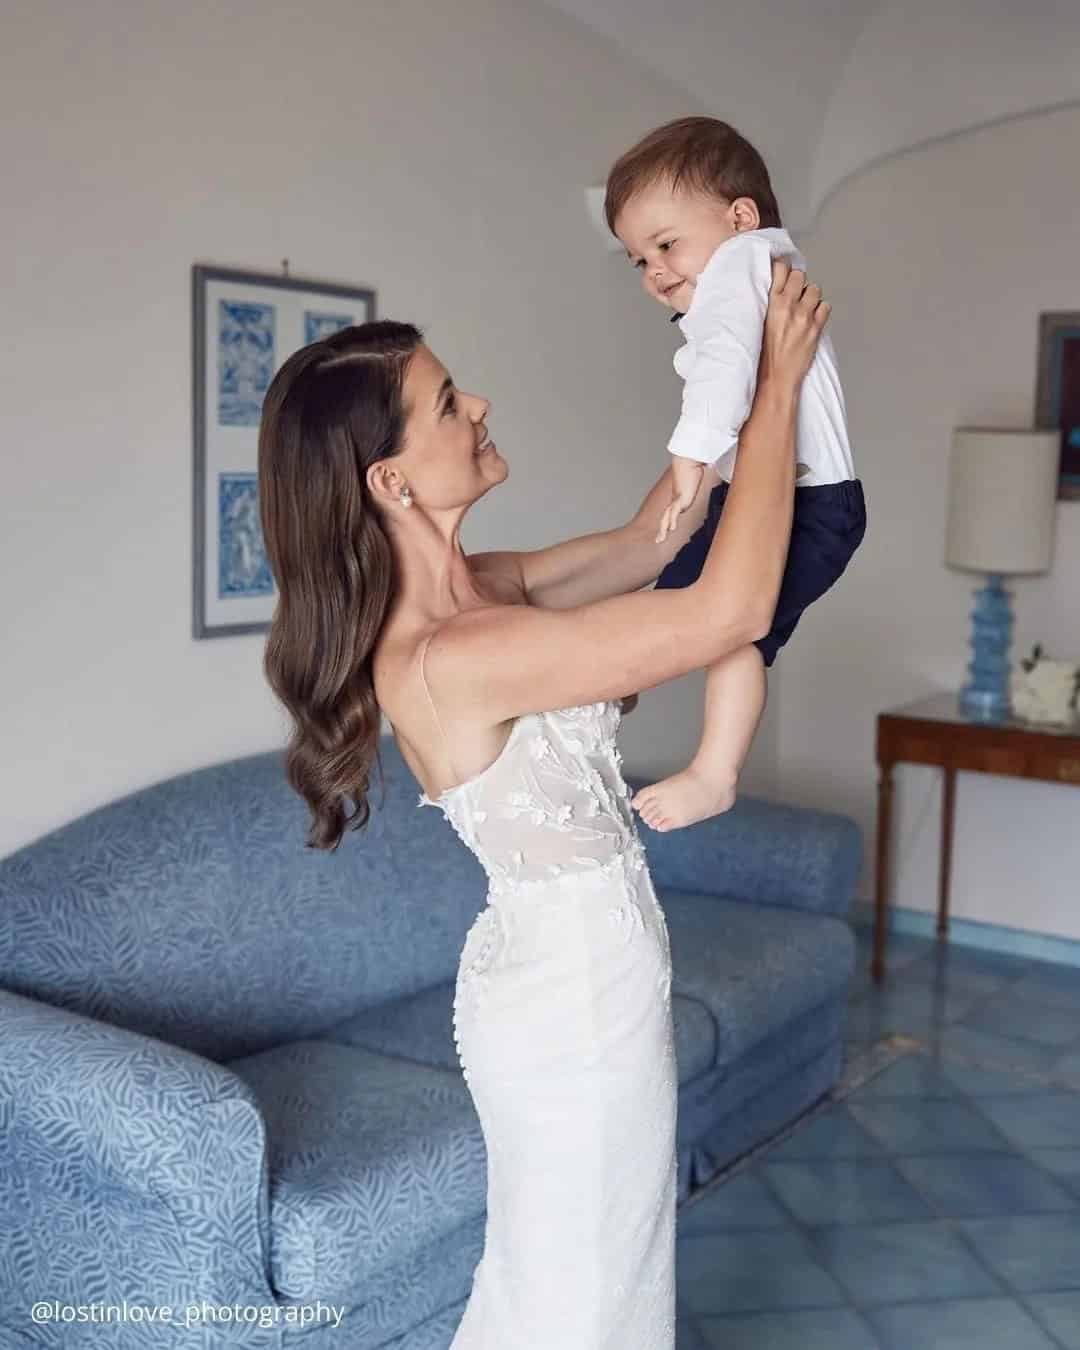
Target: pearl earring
{"type": "Point", "coordinates": [406, 497]}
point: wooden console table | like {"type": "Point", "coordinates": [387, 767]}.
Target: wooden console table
{"type": "Point", "coordinates": [934, 731]}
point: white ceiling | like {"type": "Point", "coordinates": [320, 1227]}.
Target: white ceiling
{"type": "Point", "coordinates": [825, 88]}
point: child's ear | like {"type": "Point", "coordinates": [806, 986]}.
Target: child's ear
{"type": "Point", "coordinates": [745, 213]}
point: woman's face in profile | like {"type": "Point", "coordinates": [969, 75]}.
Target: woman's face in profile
{"type": "Point", "coordinates": [446, 458]}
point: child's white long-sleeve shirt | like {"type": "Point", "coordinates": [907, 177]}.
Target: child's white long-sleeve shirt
{"type": "Point", "coordinates": [723, 328]}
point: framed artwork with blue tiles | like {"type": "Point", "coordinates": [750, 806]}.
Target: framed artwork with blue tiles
{"type": "Point", "coordinates": [244, 326]}
{"type": "Point", "coordinates": [1057, 394]}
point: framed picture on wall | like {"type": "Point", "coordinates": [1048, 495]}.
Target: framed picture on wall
{"type": "Point", "coordinates": [244, 326]}
{"type": "Point", "coordinates": [1057, 393]}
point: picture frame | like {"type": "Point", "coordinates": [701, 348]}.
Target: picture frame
{"type": "Point", "coordinates": [1057, 393]}
{"type": "Point", "coordinates": [245, 325]}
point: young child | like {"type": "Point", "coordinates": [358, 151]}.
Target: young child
{"type": "Point", "coordinates": [693, 205]}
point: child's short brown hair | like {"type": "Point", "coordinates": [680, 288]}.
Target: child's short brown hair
{"type": "Point", "coordinates": [700, 153]}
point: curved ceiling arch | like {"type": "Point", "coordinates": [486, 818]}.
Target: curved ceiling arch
{"type": "Point", "coordinates": [861, 82]}
{"type": "Point", "coordinates": [920, 73]}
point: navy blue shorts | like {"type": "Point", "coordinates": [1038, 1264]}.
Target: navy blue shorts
{"type": "Point", "coordinates": [827, 527]}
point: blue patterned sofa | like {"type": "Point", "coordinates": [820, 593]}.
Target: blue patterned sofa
{"type": "Point", "coordinates": [228, 1080]}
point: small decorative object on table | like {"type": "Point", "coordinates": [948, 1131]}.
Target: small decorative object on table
{"type": "Point", "coordinates": [1044, 691]}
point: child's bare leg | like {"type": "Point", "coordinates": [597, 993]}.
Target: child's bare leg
{"type": "Point", "coordinates": [735, 693]}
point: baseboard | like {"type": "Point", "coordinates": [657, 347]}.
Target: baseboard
{"type": "Point", "coordinates": [990, 937]}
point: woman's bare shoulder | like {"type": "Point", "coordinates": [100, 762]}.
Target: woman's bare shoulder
{"type": "Point", "coordinates": [400, 657]}
{"type": "Point", "coordinates": [398, 677]}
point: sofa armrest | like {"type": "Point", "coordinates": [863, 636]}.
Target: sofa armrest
{"type": "Point", "coordinates": [129, 1168]}
{"type": "Point", "coordinates": [761, 851]}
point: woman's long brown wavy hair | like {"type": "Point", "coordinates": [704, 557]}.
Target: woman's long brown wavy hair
{"type": "Point", "coordinates": [332, 410]}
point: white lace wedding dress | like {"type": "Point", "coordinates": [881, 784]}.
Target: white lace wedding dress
{"type": "Point", "coordinates": [562, 1017]}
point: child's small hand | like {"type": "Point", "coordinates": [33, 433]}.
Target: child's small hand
{"type": "Point", "coordinates": [685, 480]}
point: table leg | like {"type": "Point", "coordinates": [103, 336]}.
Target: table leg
{"type": "Point", "coordinates": [881, 898]}
{"type": "Point", "coordinates": [948, 803]}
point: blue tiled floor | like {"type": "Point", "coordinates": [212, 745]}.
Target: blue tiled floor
{"type": "Point", "coordinates": [934, 1207]}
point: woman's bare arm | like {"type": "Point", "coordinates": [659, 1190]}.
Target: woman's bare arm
{"type": "Point", "coordinates": [608, 562]}
{"type": "Point", "coordinates": [492, 664]}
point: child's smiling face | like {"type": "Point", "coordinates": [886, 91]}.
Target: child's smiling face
{"type": "Point", "coordinates": [669, 236]}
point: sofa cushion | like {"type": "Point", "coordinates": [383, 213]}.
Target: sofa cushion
{"type": "Point", "coordinates": [754, 967]}
{"type": "Point", "coordinates": [420, 1027]}
{"type": "Point", "coordinates": [371, 1158]}
{"type": "Point", "coordinates": [764, 852]}
{"type": "Point", "coordinates": [192, 911]}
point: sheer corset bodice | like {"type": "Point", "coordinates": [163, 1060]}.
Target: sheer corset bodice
{"type": "Point", "coordinates": [553, 805]}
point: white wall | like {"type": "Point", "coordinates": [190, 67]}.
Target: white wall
{"type": "Point", "coordinates": [437, 153]}
{"type": "Point", "coordinates": [938, 264]}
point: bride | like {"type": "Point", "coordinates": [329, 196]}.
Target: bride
{"type": "Point", "coordinates": [501, 675]}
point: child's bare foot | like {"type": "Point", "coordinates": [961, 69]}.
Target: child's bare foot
{"type": "Point", "coordinates": [685, 798]}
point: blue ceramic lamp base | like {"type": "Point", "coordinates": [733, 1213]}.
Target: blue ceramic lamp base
{"type": "Point", "coordinates": [985, 697]}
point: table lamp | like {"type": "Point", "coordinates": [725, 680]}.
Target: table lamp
{"type": "Point", "coordinates": [1002, 497]}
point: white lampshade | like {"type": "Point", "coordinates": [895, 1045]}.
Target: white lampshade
{"type": "Point", "coordinates": [1002, 499]}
